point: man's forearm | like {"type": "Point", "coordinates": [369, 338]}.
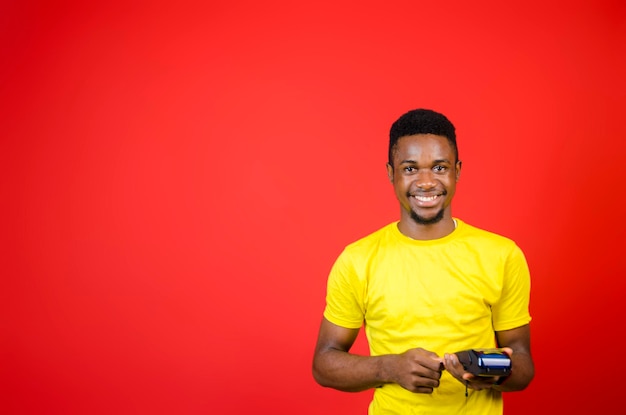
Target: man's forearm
{"type": "Point", "coordinates": [522, 373]}
{"type": "Point", "coordinates": [348, 372]}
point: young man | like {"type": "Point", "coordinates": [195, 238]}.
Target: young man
{"type": "Point", "coordinates": [424, 288]}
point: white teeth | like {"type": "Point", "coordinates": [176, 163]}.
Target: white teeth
{"type": "Point", "coordinates": [425, 198]}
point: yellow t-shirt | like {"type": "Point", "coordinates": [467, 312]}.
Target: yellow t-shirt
{"type": "Point", "coordinates": [444, 295]}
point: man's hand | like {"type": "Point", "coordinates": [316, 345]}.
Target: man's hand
{"type": "Point", "coordinates": [416, 370]}
{"type": "Point", "coordinates": [455, 368]}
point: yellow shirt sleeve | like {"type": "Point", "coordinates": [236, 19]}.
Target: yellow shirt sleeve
{"type": "Point", "coordinates": [511, 310]}
{"type": "Point", "coordinates": [345, 291]}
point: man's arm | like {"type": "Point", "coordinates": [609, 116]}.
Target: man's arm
{"type": "Point", "coordinates": [522, 366]}
{"type": "Point", "coordinates": [416, 370]}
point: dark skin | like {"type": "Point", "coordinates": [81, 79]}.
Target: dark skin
{"type": "Point", "coordinates": [416, 370]}
{"type": "Point", "coordinates": [424, 175]}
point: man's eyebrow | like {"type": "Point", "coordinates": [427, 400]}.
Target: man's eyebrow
{"type": "Point", "coordinates": [434, 161]}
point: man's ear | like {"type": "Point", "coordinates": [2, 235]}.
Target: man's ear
{"type": "Point", "coordinates": [459, 164]}
{"type": "Point", "coordinates": [390, 172]}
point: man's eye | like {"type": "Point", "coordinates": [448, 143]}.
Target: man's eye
{"type": "Point", "coordinates": [439, 168]}
{"type": "Point", "coordinates": [409, 169]}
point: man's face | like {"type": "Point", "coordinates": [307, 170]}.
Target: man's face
{"type": "Point", "coordinates": [424, 176]}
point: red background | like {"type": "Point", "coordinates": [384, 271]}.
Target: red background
{"type": "Point", "coordinates": [178, 178]}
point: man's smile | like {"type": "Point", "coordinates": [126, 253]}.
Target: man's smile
{"type": "Point", "coordinates": [427, 200]}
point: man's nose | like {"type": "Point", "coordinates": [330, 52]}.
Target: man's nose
{"type": "Point", "coordinates": [425, 179]}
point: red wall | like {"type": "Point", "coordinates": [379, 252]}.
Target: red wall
{"type": "Point", "coordinates": [178, 178]}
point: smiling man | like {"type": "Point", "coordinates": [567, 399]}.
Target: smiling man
{"type": "Point", "coordinates": [425, 287]}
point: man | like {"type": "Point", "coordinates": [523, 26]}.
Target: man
{"type": "Point", "coordinates": [424, 288]}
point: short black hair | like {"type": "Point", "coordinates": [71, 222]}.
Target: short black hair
{"type": "Point", "coordinates": [422, 121]}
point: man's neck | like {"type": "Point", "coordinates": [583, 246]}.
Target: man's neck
{"type": "Point", "coordinates": [425, 232]}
